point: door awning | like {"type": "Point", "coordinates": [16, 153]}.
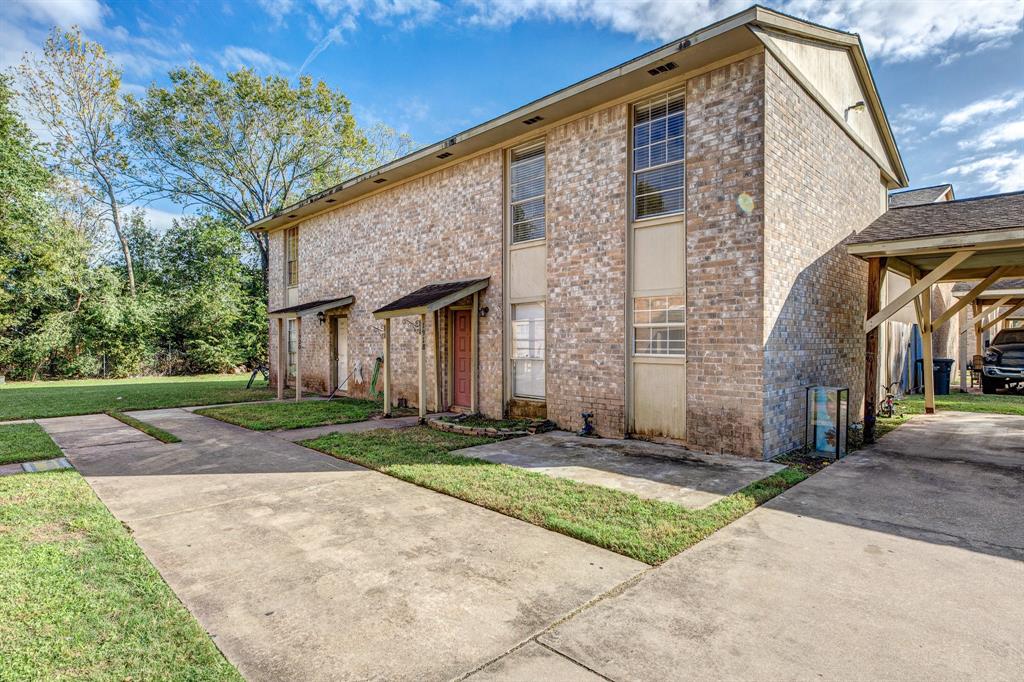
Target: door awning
{"type": "Point", "coordinates": [312, 308]}
{"type": "Point", "coordinates": [431, 297]}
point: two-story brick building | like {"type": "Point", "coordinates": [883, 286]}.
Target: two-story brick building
{"type": "Point", "coordinates": [659, 244]}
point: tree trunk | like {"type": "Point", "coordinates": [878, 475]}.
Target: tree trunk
{"type": "Point", "coordinates": [115, 215]}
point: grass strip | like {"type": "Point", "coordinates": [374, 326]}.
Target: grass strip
{"type": "Point", "coordinates": [37, 399]}
{"type": "Point", "coordinates": [25, 443]}
{"type": "Point", "coordinates": [647, 530]}
{"type": "Point", "coordinates": [148, 429]}
{"type": "Point", "coordinates": [294, 415]}
{"type": "Point", "coordinates": [78, 598]}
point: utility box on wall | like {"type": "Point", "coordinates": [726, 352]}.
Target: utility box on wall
{"type": "Point", "coordinates": [828, 420]}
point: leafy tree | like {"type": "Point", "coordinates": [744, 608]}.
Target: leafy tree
{"type": "Point", "coordinates": [40, 256]}
{"type": "Point", "coordinates": [247, 146]}
{"type": "Point", "coordinates": [74, 90]}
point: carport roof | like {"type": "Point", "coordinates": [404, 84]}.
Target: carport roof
{"type": "Point", "coordinates": [963, 216]}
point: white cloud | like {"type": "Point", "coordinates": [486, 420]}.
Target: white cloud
{"type": "Point", "coordinates": [983, 108]}
{"type": "Point", "coordinates": [891, 31]}
{"type": "Point", "coordinates": [999, 173]}
{"type": "Point", "coordinates": [83, 13]}
{"type": "Point", "coordinates": [159, 219]}
{"type": "Point", "coordinates": [277, 9]}
{"type": "Point", "coordinates": [1003, 133]}
{"type": "Point", "coordinates": [236, 57]}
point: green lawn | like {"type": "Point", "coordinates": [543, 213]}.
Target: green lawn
{"type": "Point", "coordinates": [35, 399]}
{"type": "Point", "coordinates": [25, 443]}
{"type": "Point", "coordinates": [148, 429]}
{"type": "Point", "coordinates": [648, 530]}
{"type": "Point", "coordinates": [293, 415]}
{"type": "Point", "coordinates": [966, 402]}
{"type": "Point", "coordinates": [78, 598]}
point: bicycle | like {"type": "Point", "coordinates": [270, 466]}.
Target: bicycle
{"type": "Point", "coordinates": [886, 405]}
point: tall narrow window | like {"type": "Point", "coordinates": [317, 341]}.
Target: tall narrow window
{"type": "Point", "coordinates": [528, 350]}
{"type": "Point", "coordinates": [526, 192]}
{"type": "Point", "coordinates": [291, 248]}
{"type": "Point", "coordinates": [293, 348]}
{"type": "Point", "coordinates": [658, 149]}
{"type": "Point", "coordinates": [659, 325]}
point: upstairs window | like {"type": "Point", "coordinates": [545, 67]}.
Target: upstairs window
{"type": "Point", "coordinates": [291, 250]}
{"type": "Point", "coordinates": [526, 192]}
{"type": "Point", "coordinates": [658, 150]}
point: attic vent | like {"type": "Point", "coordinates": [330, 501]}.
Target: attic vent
{"type": "Point", "coordinates": [444, 155]}
{"type": "Point", "coordinates": [293, 216]}
{"type": "Point", "coordinates": [662, 68]}
{"type": "Point", "coordinates": [532, 120]}
{"type": "Point", "coordinates": [329, 201]}
{"type": "Point", "coordinates": [380, 180]}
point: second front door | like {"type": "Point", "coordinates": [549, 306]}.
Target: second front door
{"type": "Point", "coordinates": [462, 375]}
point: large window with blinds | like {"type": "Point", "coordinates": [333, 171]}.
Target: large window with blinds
{"type": "Point", "coordinates": [526, 192]}
{"type": "Point", "coordinates": [658, 147]}
{"type": "Point", "coordinates": [291, 250]}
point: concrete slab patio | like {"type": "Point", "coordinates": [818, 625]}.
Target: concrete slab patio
{"type": "Point", "coordinates": [903, 561]}
{"type": "Point", "coordinates": [652, 470]}
{"type": "Point", "coordinates": [304, 567]}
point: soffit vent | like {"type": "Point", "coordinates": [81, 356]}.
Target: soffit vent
{"type": "Point", "coordinates": [292, 215]}
{"type": "Point", "coordinates": [444, 155]}
{"type": "Point", "coordinates": [380, 180]}
{"type": "Point", "coordinates": [532, 120]}
{"type": "Point", "coordinates": [329, 201]}
{"type": "Point", "coordinates": [662, 68]}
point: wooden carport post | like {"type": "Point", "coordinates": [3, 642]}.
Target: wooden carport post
{"type": "Point", "coordinates": [422, 398]}
{"type": "Point", "coordinates": [387, 366]}
{"type": "Point", "coordinates": [876, 275]}
{"type": "Point", "coordinates": [282, 362]}
{"type": "Point", "coordinates": [928, 364]}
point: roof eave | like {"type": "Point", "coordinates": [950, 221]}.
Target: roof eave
{"type": "Point", "coordinates": [988, 239]}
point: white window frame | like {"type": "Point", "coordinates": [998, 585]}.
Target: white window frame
{"type": "Point", "coordinates": [542, 196]}
{"type": "Point", "coordinates": [288, 232]}
{"type": "Point", "coordinates": [635, 171]}
{"type": "Point", "coordinates": [667, 325]}
{"type": "Point", "coordinates": [541, 358]}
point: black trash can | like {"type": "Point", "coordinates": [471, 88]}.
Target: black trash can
{"type": "Point", "coordinates": [942, 368]}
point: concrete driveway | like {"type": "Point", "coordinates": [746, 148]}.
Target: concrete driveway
{"type": "Point", "coordinates": [904, 561]}
{"type": "Point", "coordinates": [304, 567]}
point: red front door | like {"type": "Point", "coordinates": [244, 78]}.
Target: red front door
{"type": "Point", "coordinates": [462, 355]}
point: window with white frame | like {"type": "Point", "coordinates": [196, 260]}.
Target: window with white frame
{"type": "Point", "coordinates": [528, 350]}
{"type": "Point", "coordinates": [526, 192]}
{"type": "Point", "coordinates": [291, 250]}
{"type": "Point", "coordinates": [659, 325]}
{"type": "Point", "coordinates": [658, 150]}
{"type": "Point", "coordinates": [293, 348]}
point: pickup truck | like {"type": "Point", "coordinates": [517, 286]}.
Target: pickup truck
{"type": "Point", "coordinates": [1003, 361]}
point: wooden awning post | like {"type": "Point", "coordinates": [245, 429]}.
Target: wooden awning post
{"type": "Point", "coordinates": [298, 358]}
{"type": "Point", "coordinates": [929, 360]}
{"type": "Point", "coordinates": [282, 359]}
{"type": "Point", "coordinates": [876, 272]}
{"type": "Point", "coordinates": [387, 366]}
{"type": "Point", "coordinates": [422, 398]}
{"type": "Point", "coordinates": [474, 390]}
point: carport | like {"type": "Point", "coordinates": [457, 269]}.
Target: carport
{"type": "Point", "coordinates": [968, 239]}
{"type": "Point", "coordinates": [988, 306]}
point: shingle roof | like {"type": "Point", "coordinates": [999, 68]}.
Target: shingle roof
{"type": "Point", "coordinates": [916, 197]}
{"type": "Point", "coordinates": [431, 293]}
{"type": "Point", "coordinates": [981, 214]}
{"type": "Point", "coordinates": [302, 307]}
{"type": "Point", "coordinates": [1003, 284]}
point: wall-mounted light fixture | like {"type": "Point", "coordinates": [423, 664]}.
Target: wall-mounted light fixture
{"type": "Point", "coordinates": [321, 317]}
{"type": "Point", "coordinates": [859, 106]}
{"type": "Point", "coordinates": [484, 310]}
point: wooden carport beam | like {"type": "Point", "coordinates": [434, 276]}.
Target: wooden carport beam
{"type": "Point", "coordinates": [917, 289]}
{"type": "Point", "coordinates": [1005, 315]}
{"type": "Point", "coordinates": [970, 296]}
{"type": "Point", "coordinates": [985, 312]}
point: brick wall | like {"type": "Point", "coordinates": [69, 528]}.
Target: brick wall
{"type": "Point", "coordinates": [586, 271]}
{"type": "Point", "coordinates": [820, 188]}
{"type": "Point", "coordinates": [724, 251]}
{"type": "Point", "coordinates": [441, 227]}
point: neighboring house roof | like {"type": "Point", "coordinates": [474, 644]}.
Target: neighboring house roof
{"type": "Point", "coordinates": [740, 33]}
{"type": "Point", "coordinates": [431, 297]}
{"type": "Point", "coordinates": [922, 195]}
{"type": "Point", "coordinates": [981, 214]}
{"type": "Point", "coordinates": [1005, 284]}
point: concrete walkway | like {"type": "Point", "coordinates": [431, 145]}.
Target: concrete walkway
{"type": "Point", "coordinates": [652, 470]}
{"type": "Point", "coordinates": [304, 567]}
{"type": "Point", "coordinates": [903, 561]}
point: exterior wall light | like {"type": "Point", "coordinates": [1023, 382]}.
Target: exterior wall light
{"type": "Point", "coordinates": [321, 317]}
{"type": "Point", "coordinates": [483, 311]}
{"type": "Point", "coordinates": [859, 106]}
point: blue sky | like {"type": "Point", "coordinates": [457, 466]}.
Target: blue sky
{"type": "Point", "coordinates": [951, 74]}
